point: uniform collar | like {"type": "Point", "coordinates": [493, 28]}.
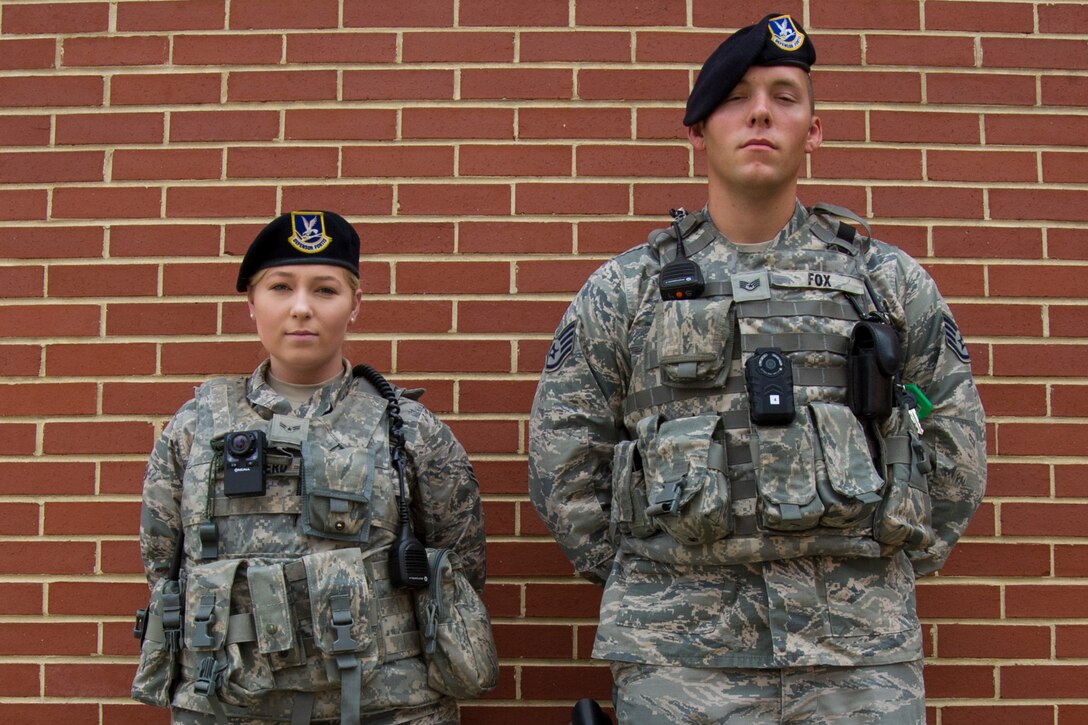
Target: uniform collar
{"type": "Point", "coordinates": [261, 395]}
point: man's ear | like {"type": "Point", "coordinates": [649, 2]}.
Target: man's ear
{"type": "Point", "coordinates": [815, 135]}
{"type": "Point", "coordinates": [695, 136]}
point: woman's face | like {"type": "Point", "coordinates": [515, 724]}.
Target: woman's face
{"type": "Point", "coordinates": [302, 313]}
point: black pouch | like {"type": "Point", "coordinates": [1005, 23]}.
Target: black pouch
{"type": "Point", "coordinates": [871, 368]}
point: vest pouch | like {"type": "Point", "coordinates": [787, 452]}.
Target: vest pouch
{"type": "Point", "coordinates": [687, 487]}
{"type": "Point", "coordinates": [158, 668]}
{"type": "Point", "coordinates": [455, 631]}
{"type": "Point", "coordinates": [629, 500]}
{"type": "Point", "coordinates": [847, 482]}
{"type": "Point", "coordinates": [785, 464]}
{"type": "Point", "coordinates": [692, 341]}
{"type": "Point", "coordinates": [905, 516]}
{"type": "Point", "coordinates": [344, 613]}
{"type": "Point", "coordinates": [871, 366]}
{"type": "Point", "coordinates": [339, 482]}
{"type": "Point", "coordinates": [241, 674]}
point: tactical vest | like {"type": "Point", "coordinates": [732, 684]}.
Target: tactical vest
{"type": "Point", "coordinates": [700, 471]}
{"type": "Point", "coordinates": [289, 591]}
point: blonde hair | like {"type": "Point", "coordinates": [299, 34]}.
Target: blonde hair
{"type": "Point", "coordinates": [351, 279]}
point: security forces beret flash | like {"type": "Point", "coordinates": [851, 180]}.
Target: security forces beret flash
{"type": "Point", "coordinates": [775, 40]}
{"type": "Point", "coordinates": [302, 237]}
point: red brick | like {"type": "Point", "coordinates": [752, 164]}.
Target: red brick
{"type": "Point", "coordinates": [590, 681]}
{"type": "Point", "coordinates": [88, 202]}
{"type": "Point", "coordinates": [1000, 320]}
{"type": "Point", "coordinates": [867, 163]}
{"type": "Point", "coordinates": [47, 557]}
{"type": "Point", "coordinates": [579, 46]}
{"type": "Point", "coordinates": [50, 91]}
{"type": "Point", "coordinates": [1027, 129]}
{"type": "Point", "coordinates": [969, 558]}
{"type": "Point", "coordinates": [1067, 321]}
{"type": "Point", "coordinates": [88, 680]}
{"type": "Point", "coordinates": [168, 239]}
{"type": "Point", "coordinates": [348, 124]}
{"type": "Point", "coordinates": [362, 199]}
{"type": "Point", "coordinates": [959, 681]}
{"type": "Point", "coordinates": [1046, 682]}
{"type": "Point", "coordinates": [980, 17]}
{"type": "Point", "coordinates": [144, 398]}
{"type": "Point", "coordinates": [486, 437]}
{"type": "Point", "coordinates": [56, 18]}
{"type": "Point", "coordinates": [1039, 281]}
{"type": "Point", "coordinates": [416, 14]}
{"type": "Point", "coordinates": [1017, 479]}
{"type": "Point", "coordinates": [725, 14]}
{"type": "Point", "coordinates": [839, 126]}
{"type": "Point", "coordinates": [172, 15]}
{"type": "Point", "coordinates": [625, 161]}
{"type": "Point", "coordinates": [122, 477]}
{"type": "Point", "coordinates": [161, 319]}
{"type": "Point", "coordinates": [46, 477]}
{"type": "Point", "coordinates": [22, 281]}
{"type": "Point", "coordinates": [1066, 168]}
{"type": "Point", "coordinates": [676, 46]}
{"type": "Point", "coordinates": [199, 279]}
{"type": "Point", "coordinates": [166, 164]}
{"type": "Point", "coordinates": [1034, 52]}
{"type": "Point", "coordinates": [1071, 561]}
{"type": "Point", "coordinates": [575, 123]}
{"type": "Point", "coordinates": [282, 162]}
{"type": "Point", "coordinates": [928, 201]}
{"type": "Point", "coordinates": [459, 46]}
{"type": "Point", "coordinates": [500, 518]}
{"type": "Point", "coordinates": [48, 321]}
{"type": "Point", "coordinates": [1071, 640]}
{"type": "Point", "coordinates": [627, 85]}
{"type": "Point", "coordinates": [653, 199]}
{"type": "Point", "coordinates": [511, 83]}
{"type": "Point", "coordinates": [1042, 204]}
{"type": "Point", "coordinates": [1004, 714]}
{"type": "Point", "coordinates": [210, 358]}
{"type": "Point", "coordinates": [340, 47]}
{"type": "Point", "coordinates": [20, 598]}
{"type": "Point", "coordinates": [20, 680]}
{"type": "Point", "coordinates": [981, 166]}
{"type": "Point", "coordinates": [507, 237]}
{"type": "Point", "coordinates": [42, 399]}
{"type": "Point", "coordinates": [912, 50]}
{"type": "Point", "coordinates": [257, 14]}
{"type": "Point", "coordinates": [197, 202]}
{"type": "Point", "coordinates": [282, 85]}
{"type": "Point", "coordinates": [26, 54]}
{"type": "Point", "coordinates": [136, 50]}
{"type": "Point", "coordinates": [1042, 519]}
{"type": "Point", "coordinates": [984, 521]}
{"type": "Point", "coordinates": [51, 638]}
{"type": "Point", "coordinates": [114, 280]}
{"type": "Point", "coordinates": [531, 355]}
{"type": "Point", "coordinates": [165, 89]}
{"type": "Point", "coordinates": [565, 276]}
{"type": "Point", "coordinates": [509, 316]}
{"type": "Point", "coordinates": [109, 128]}
{"type": "Point", "coordinates": [407, 237]}
{"type": "Point", "coordinates": [608, 238]}
{"type": "Point", "coordinates": [987, 641]}
{"type": "Point", "coordinates": [483, 714]}
{"type": "Point", "coordinates": [1013, 399]}
{"type": "Point", "coordinates": [497, 12]}
{"type": "Point", "coordinates": [456, 199]}
{"type": "Point", "coordinates": [992, 242]}
{"type": "Point", "coordinates": [930, 127]}
{"type": "Point", "coordinates": [514, 160]}
{"type": "Point", "coordinates": [418, 316]}
{"type": "Point", "coordinates": [869, 86]}
{"type": "Point", "coordinates": [210, 50]}
{"type": "Point", "coordinates": [86, 518]}
{"type": "Point", "coordinates": [122, 557]}
{"type": "Point", "coordinates": [649, 12]}
{"type": "Point", "coordinates": [660, 123]}
{"type": "Point", "coordinates": [462, 356]}
{"type": "Point", "coordinates": [1069, 400]}
{"type": "Point", "coordinates": [22, 205]}
{"type": "Point", "coordinates": [579, 600]}
{"type": "Point", "coordinates": [17, 439]}
{"type": "Point", "coordinates": [19, 519]}
{"type": "Point", "coordinates": [97, 437]}
{"type": "Point", "coordinates": [453, 278]}
{"type": "Point", "coordinates": [537, 641]}
{"type": "Point", "coordinates": [1071, 18]}
{"type": "Point", "coordinates": [412, 84]}
{"type": "Point", "coordinates": [20, 359]}
{"type": "Point", "coordinates": [572, 198]}
{"type": "Point", "coordinates": [1051, 439]}
{"type": "Point", "coordinates": [391, 160]}
{"type": "Point", "coordinates": [224, 126]}
{"type": "Point", "coordinates": [457, 123]}
{"type": "Point", "coordinates": [496, 396]}
{"type": "Point", "coordinates": [25, 130]}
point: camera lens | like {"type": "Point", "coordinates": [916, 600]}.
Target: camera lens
{"type": "Point", "coordinates": [770, 363]}
{"type": "Point", "coordinates": [240, 444]}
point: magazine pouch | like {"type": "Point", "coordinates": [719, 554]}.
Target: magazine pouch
{"type": "Point", "coordinates": [158, 668]}
{"type": "Point", "coordinates": [905, 515]}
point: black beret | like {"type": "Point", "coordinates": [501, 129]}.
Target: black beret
{"type": "Point", "coordinates": [301, 237]}
{"type": "Point", "coordinates": [775, 40]}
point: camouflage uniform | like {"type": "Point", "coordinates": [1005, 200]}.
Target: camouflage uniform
{"type": "Point", "coordinates": [289, 592]}
{"type": "Point", "coordinates": [725, 544]}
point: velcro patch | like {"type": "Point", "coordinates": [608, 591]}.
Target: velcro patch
{"type": "Point", "coordinates": [562, 347]}
{"type": "Point", "coordinates": [954, 340]}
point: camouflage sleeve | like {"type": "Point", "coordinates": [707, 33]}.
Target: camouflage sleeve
{"type": "Point", "coordinates": [937, 361]}
{"type": "Point", "coordinates": [576, 420]}
{"type": "Point", "coordinates": [447, 511]}
{"type": "Point", "coordinates": [160, 513]}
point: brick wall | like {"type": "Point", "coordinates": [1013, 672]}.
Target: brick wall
{"type": "Point", "coordinates": [492, 153]}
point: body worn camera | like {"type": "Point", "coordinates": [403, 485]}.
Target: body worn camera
{"type": "Point", "coordinates": [769, 376]}
{"type": "Point", "coordinates": [243, 463]}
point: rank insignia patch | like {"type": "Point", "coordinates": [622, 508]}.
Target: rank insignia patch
{"type": "Point", "coordinates": [308, 231]}
{"type": "Point", "coordinates": [562, 347]}
{"type": "Point", "coordinates": [954, 340]}
{"type": "Point", "coordinates": [784, 33]}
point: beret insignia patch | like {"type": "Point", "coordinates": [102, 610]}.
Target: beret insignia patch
{"type": "Point", "coordinates": [784, 33]}
{"type": "Point", "coordinates": [308, 232]}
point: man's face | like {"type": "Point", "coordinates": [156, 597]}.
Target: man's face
{"type": "Point", "coordinates": [756, 140]}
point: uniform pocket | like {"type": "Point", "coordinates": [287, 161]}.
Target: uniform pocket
{"type": "Point", "coordinates": [678, 600]}
{"type": "Point", "coordinates": [458, 644]}
{"type": "Point", "coordinates": [693, 340]}
{"type": "Point", "coordinates": [629, 502]}
{"type": "Point", "coordinates": [905, 516]}
{"type": "Point", "coordinates": [785, 464]}
{"type": "Point", "coordinates": [849, 488]}
{"type": "Point", "coordinates": [687, 489]}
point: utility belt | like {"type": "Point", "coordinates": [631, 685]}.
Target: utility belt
{"type": "Point", "coordinates": [325, 621]}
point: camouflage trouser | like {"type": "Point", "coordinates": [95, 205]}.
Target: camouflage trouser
{"type": "Point", "coordinates": [886, 694]}
{"type": "Point", "coordinates": [443, 712]}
